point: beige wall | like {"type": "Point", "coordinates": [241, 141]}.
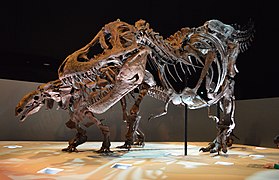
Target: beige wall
{"type": "Point", "coordinates": [257, 121]}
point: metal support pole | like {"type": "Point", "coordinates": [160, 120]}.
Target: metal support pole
{"type": "Point", "coordinates": [185, 129]}
{"type": "Point", "coordinates": [218, 110]}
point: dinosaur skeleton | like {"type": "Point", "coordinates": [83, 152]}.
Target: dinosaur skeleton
{"type": "Point", "coordinates": [200, 60]}
{"type": "Point", "coordinates": [68, 98]}
{"type": "Point", "coordinates": [75, 101]}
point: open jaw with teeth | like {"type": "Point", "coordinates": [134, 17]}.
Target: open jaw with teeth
{"type": "Point", "coordinates": [100, 80]}
{"type": "Point", "coordinates": [111, 65]}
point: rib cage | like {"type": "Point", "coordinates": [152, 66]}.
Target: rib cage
{"type": "Point", "coordinates": [159, 93]}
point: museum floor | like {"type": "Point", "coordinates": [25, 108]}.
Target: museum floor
{"type": "Point", "coordinates": [44, 160]}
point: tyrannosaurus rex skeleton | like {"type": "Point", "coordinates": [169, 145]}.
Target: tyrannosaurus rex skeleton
{"type": "Point", "coordinates": [201, 61]}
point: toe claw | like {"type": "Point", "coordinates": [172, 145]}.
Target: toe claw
{"type": "Point", "coordinates": [204, 149]}
{"type": "Point", "coordinates": [125, 146]}
{"type": "Point", "coordinates": [70, 149]}
{"type": "Point", "coordinates": [104, 150]}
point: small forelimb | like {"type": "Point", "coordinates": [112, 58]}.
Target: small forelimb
{"type": "Point", "coordinates": [161, 114]}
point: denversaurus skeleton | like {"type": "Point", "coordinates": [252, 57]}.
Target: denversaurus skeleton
{"type": "Point", "coordinates": [75, 101]}
{"type": "Point", "coordinates": [201, 60]}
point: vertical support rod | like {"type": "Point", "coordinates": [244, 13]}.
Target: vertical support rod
{"type": "Point", "coordinates": [218, 110]}
{"type": "Point", "coordinates": [185, 129]}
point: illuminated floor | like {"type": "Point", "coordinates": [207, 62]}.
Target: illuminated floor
{"type": "Point", "coordinates": [45, 160]}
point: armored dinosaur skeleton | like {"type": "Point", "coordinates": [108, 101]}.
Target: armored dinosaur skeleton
{"type": "Point", "coordinates": [75, 101]}
{"type": "Point", "coordinates": [201, 60]}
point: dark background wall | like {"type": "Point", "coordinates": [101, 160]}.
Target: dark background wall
{"type": "Point", "coordinates": [36, 36]}
{"type": "Point", "coordinates": [256, 121]}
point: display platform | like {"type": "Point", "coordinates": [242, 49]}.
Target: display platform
{"type": "Point", "coordinates": [45, 160]}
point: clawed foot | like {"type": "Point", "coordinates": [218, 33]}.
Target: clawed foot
{"type": "Point", "coordinates": [127, 145]}
{"type": "Point", "coordinates": [221, 143]}
{"type": "Point", "coordinates": [104, 150]}
{"type": "Point", "coordinates": [70, 149]}
{"type": "Point", "coordinates": [208, 148]}
{"type": "Point", "coordinates": [139, 143]}
{"type": "Point", "coordinates": [214, 147]}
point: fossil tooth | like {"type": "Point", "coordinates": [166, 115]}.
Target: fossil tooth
{"type": "Point", "coordinates": [88, 73]}
{"type": "Point", "coordinates": [91, 78]}
{"type": "Point", "coordinates": [79, 76]}
{"type": "Point", "coordinates": [69, 80]}
{"type": "Point", "coordinates": [64, 80]}
{"type": "Point", "coordinates": [75, 77]}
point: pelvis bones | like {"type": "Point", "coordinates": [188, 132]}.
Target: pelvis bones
{"type": "Point", "coordinates": [200, 60]}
